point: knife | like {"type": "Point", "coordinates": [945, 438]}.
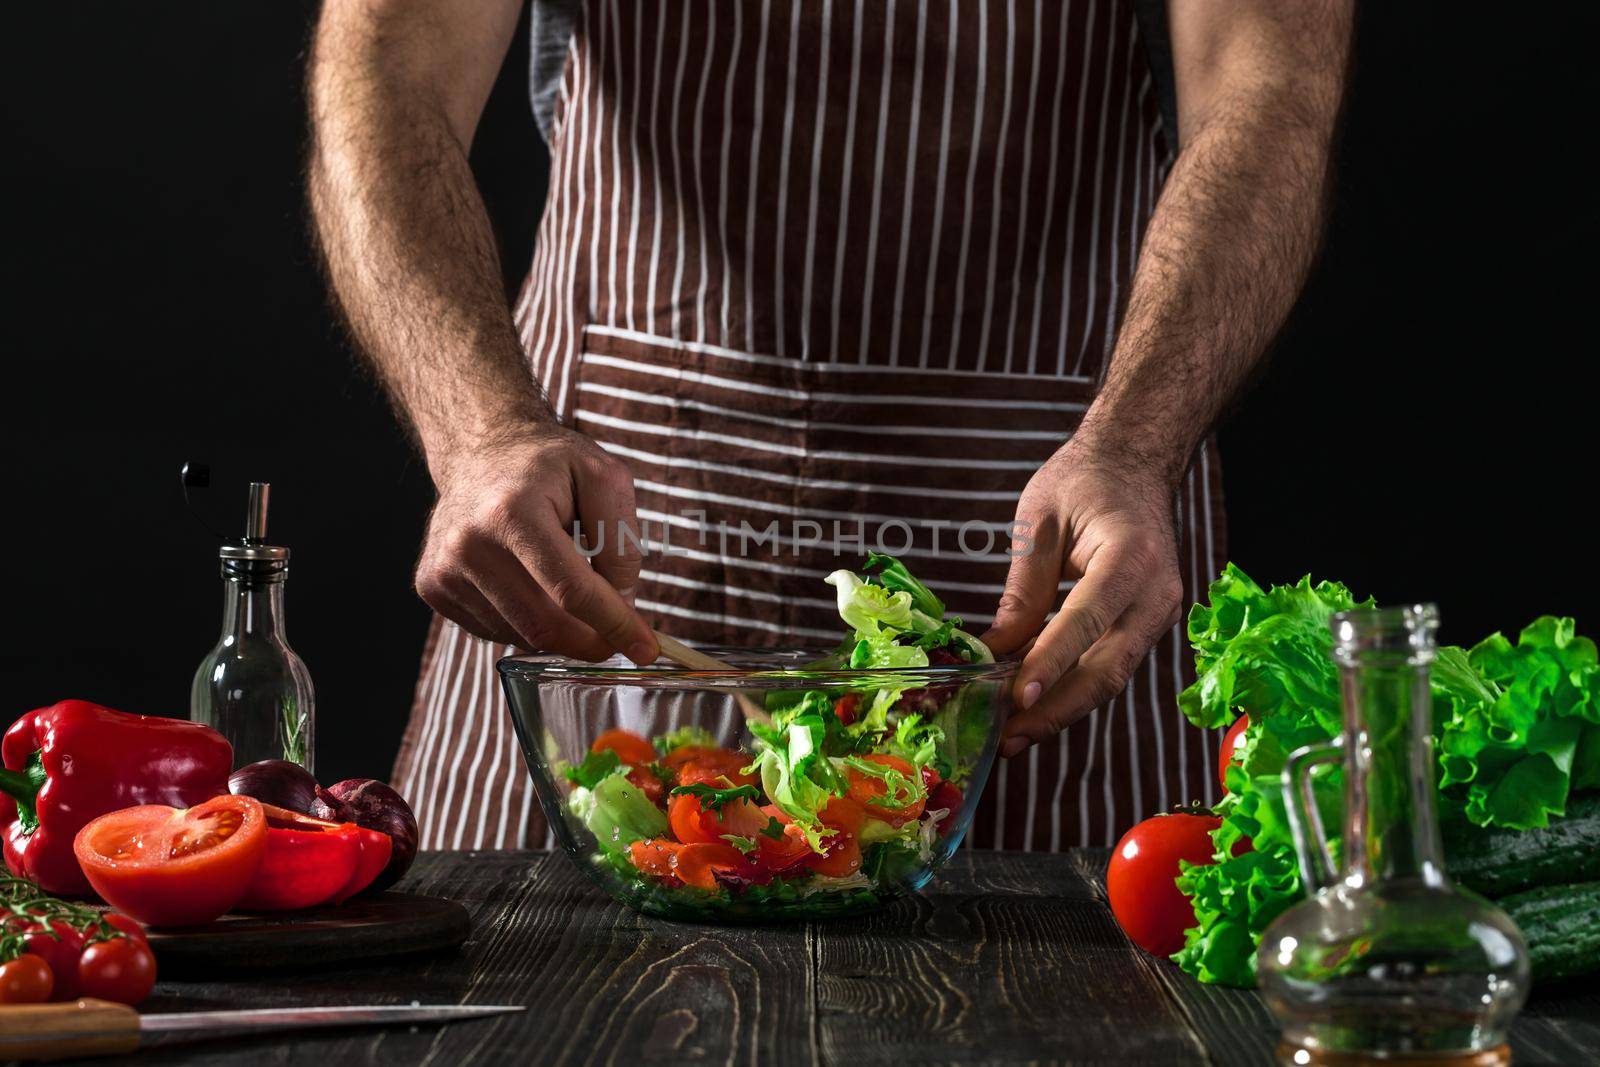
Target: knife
{"type": "Point", "coordinates": [100, 1028]}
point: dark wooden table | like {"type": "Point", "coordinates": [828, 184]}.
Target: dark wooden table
{"type": "Point", "coordinates": [1007, 958]}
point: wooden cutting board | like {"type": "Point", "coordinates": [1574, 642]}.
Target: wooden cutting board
{"type": "Point", "coordinates": [379, 927]}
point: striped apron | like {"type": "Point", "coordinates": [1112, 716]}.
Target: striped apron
{"type": "Point", "coordinates": [831, 276]}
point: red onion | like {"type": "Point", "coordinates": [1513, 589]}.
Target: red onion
{"type": "Point", "coordinates": [277, 782]}
{"type": "Point", "coordinates": [370, 803]}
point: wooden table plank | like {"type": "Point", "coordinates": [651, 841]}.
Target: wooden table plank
{"type": "Point", "coordinates": [1233, 1025]}
{"type": "Point", "coordinates": [602, 984]}
{"type": "Point", "coordinates": [1011, 959]}
{"type": "Point", "coordinates": [1007, 958]}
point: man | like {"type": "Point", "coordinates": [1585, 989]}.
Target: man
{"type": "Point", "coordinates": [827, 262]}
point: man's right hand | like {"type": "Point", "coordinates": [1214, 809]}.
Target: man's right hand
{"type": "Point", "coordinates": [500, 559]}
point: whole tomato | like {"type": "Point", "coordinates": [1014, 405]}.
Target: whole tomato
{"type": "Point", "coordinates": [25, 980]}
{"type": "Point", "coordinates": [60, 952]}
{"type": "Point", "coordinates": [122, 969]}
{"type": "Point", "coordinates": [1230, 741]}
{"type": "Point", "coordinates": [1141, 880]}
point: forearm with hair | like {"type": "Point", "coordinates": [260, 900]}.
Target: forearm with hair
{"type": "Point", "coordinates": [411, 256]}
{"type": "Point", "coordinates": [1225, 255]}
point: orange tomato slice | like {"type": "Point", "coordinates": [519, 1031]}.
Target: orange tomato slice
{"type": "Point", "coordinates": [630, 748]}
{"type": "Point", "coordinates": [865, 789]}
{"type": "Point", "coordinates": [692, 823]}
{"type": "Point", "coordinates": [709, 765]}
{"type": "Point", "coordinates": [779, 854]}
{"type": "Point", "coordinates": [698, 863]}
{"type": "Point", "coordinates": [658, 857]}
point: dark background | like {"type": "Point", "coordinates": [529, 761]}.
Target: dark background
{"type": "Point", "coordinates": [1424, 430]}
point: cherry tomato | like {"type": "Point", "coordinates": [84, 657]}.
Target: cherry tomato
{"type": "Point", "coordinates": [61, 952]}
{"type": "Point", "coordinates": [25, 980]}
{"type": "Point", "coordinates": [694, 824]}
{"type": "Point", "coordinates": [847, 708]}
{"type": "Point", "coordinates": [864, 789]}
{"type": "Point", "coordinates": [1230, 741]}
{"type": "Point", "coordinates": [122, 969]}
{"type": "Point", "coordinates": [1141, 880]}
{"type": "Point", "coordinates": [127, 924]}
{"type": "Point", "coordinates": [175, 867]}
{"type": "Point", "coordinates": [630, 748]}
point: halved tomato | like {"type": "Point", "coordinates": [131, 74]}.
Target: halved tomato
{"type": "Point", "coordinates": [630, 748]}
{"type": "Point", "coordinates": [865, 789]}
{"type": "Point", "coordinates": [175, 867]}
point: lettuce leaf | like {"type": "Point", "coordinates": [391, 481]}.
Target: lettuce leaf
{"type": "Point", "coordinates": [1513, 753]}
{"type": "Point", "coordinates": [892, 574]}
{"type": "Point", "coordinates": [1268, 652]}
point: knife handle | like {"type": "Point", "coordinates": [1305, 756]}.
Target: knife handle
{"type": "Point", "coordinates": [85, 1027]}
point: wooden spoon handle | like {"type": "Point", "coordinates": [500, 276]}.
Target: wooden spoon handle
{"type": "Point", "coordinates": [695, 660]}
{"type": "Point", "coordinates": [57, 1031]}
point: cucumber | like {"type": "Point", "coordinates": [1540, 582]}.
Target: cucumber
{"type": "Point", "coordinates": [1498, 862]}
{"type": "Point", "coordinates": [1562, 926]}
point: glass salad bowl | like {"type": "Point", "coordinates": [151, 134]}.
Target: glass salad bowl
{"type": "Point", "coordinates": [793, 786]}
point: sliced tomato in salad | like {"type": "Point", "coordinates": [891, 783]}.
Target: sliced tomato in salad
{"type": "Point", "coordinates": [658, 856]}
{"type": "Point", "coordinates": [847, 709]}
{"type": "Point", "coordinates": [698, 764]}
{"type": "Point", "coordinates": [871, 792]}
{"type": "Point", "coordinates": [842, 849]}
{"type": "Point", "coordinates": [786, 850]}
{"type": "Point", "coordinates": [692, 822]}
{"type": "Point", "coordinates": [699, 863]}
{"type": "Point", "coordinates": [650, 784]}
{"type": "Point", "coordinates": [630, 748]}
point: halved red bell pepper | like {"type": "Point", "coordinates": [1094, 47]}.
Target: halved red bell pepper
{"type": "Point", "coordinates": [72, 762]}
{"type": "Point", "coordinates": [311, 861]}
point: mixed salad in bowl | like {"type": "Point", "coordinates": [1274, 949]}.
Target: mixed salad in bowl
{"type": "Point", "coordinates": [846, 779]}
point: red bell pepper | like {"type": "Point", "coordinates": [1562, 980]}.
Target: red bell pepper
{"type": "Point", "coordinates": [311, 861]}
{"type": "Point", "coordinates": [74, 761]}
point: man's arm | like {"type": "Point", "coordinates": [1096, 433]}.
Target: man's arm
{"type": "Point", "coordinates": [1227, 250]}
{"type": "Point", "coordinates": [396, 91]}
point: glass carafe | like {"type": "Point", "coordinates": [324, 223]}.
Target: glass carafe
{"type": "Point", "coordinates": [1387, 959]}
{"type": "Point", "coordinates": [252, 688]}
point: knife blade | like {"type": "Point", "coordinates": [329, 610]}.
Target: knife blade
{"type": "Point", "coordinates": [96, 1027]}
{"type": "Point", "coordinates": [359, 1015]}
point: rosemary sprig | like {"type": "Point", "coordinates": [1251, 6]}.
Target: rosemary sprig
{"type": "Point", "coordinates": [23, 905]}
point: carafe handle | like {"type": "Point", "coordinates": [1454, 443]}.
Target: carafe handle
{"type": "Point", "coordinates": [1317, 868]}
